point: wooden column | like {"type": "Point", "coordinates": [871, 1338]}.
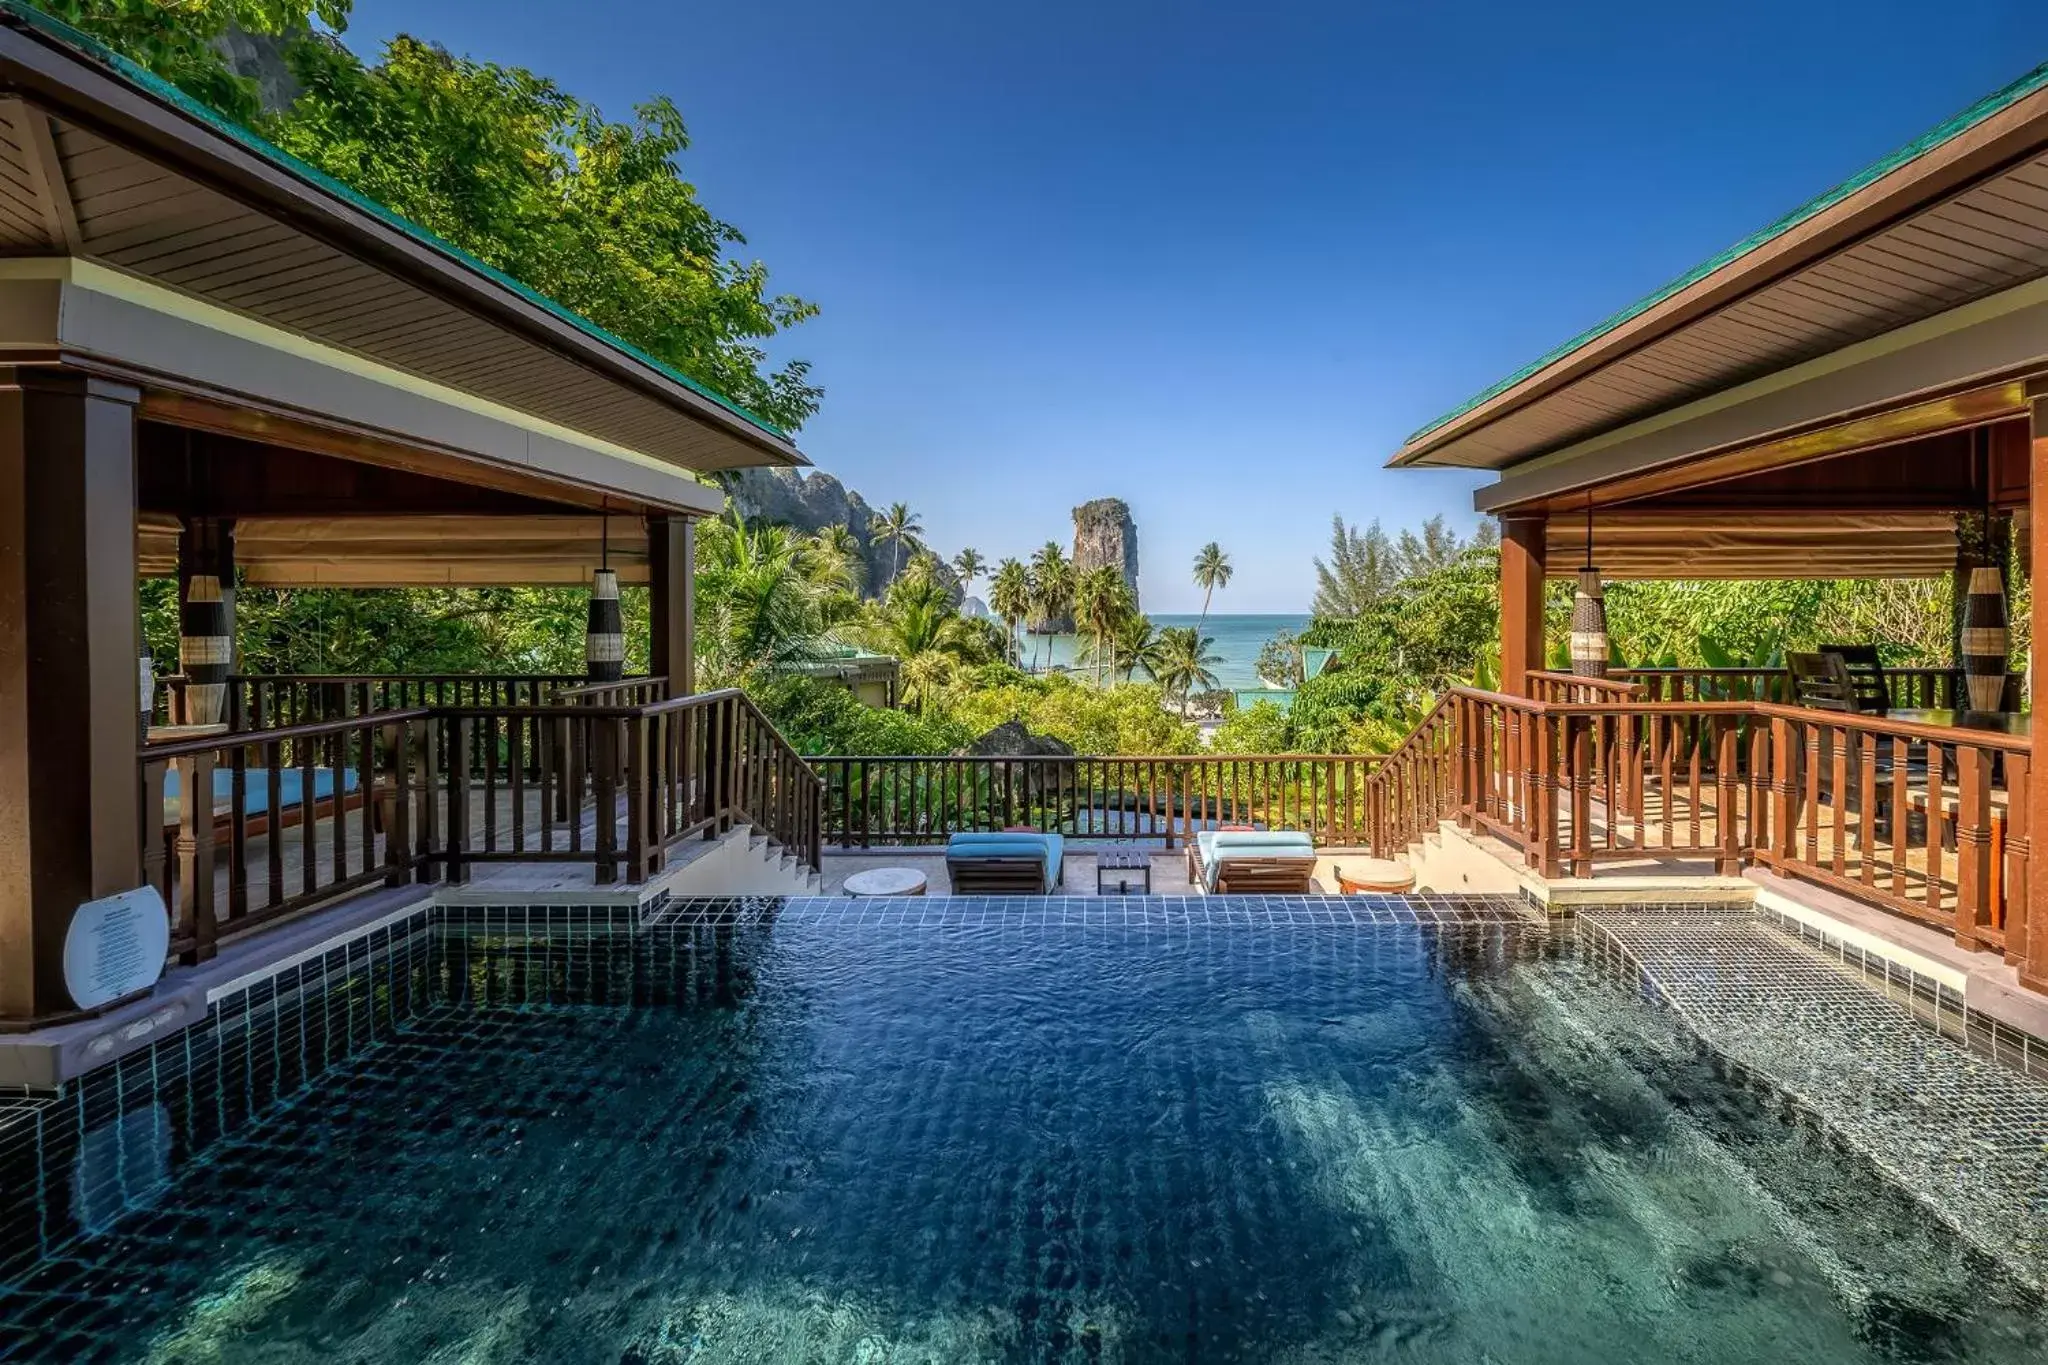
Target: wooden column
{"type": "Point", "coordinates": [70, 789]}
{"type": "Point", "coordinates": [2033, 964]}
{"type": "Point", "coordinates": [1521, 601]}
{"type": "Point", "coordinates": [671, 609]}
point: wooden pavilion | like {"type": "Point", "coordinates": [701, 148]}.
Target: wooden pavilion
{"type": "Point", "coordinates": [219, 361]}
{"type": "Point", "coordinates": [1831, 398]}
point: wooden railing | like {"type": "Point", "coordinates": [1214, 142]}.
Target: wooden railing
{"type": "Point", "coordinates": [1411, 791]}
{"type": "Point", "coordinates": [1933, 823]}
{"type": "Point", "coordinates": [1569, 687]}
{"type": "Point", "coordinates": [1939, 688]}
{"type": "Point", "coordinates": [256, 828]}
{"type": "Point", "coordinates": [293, 816]}
{"type": "Point", "coordinates": [925, 799]}
{"type": "Point", "coordinates": [262, 701]}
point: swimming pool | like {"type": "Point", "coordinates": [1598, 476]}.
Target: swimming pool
{"type": "Point", "coordinates": [1140, 1130]}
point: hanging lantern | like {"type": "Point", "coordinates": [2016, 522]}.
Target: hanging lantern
{"type": "Point", "coordinates": [205, 650]}
{"type": "Point", "coordinates": [1589, 614]}
{"type": "Point", "coordinates": [1985, 640]}
{"type": "Point", "coordinates": [604, 649]}
{"type": "Point", "coordinates": [1589, 626]}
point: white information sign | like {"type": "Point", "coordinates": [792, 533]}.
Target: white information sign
{"type": "Point", "coordinates": [116, 947]}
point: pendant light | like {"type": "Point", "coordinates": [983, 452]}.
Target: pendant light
{"type": "Point", "coordinates": [205, 650]}
{"type": "Point", "coordinates": [604, 641]}
{"type": "Point", "coordinates": [1589, 613]}
{"type": "Point", "coordinates": [1985, 639]}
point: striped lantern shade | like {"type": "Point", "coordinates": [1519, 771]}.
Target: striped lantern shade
{"type": "Point", "coordinates": [604, 646]}
{"type": "Point", "coordinates": [206, 650]}
{"type": "Point", "coordinates": [1589, 627]}
{"type": "Point", "coordinates": [1985, 640]}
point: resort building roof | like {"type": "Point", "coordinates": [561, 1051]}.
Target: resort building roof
{"type": "Point", "coordinates": [1938, 235]}
{"type": "Point", "coordinates": [162, 225]}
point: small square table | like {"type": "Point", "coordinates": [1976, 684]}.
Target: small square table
{"type": "Point", "coordinates": [1122, 860]}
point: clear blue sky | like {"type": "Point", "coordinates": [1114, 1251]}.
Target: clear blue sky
{"type": "Point", "coordinates": [1218, 260]}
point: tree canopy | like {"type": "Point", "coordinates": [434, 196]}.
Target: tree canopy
{"type": "Point", "coordinates": [509, 167]}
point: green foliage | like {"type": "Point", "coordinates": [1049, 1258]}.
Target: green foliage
{"type": "Point", "coordinates": [1365, 568]}
{"type": "Point", "coordinates": [175, 38]}
{"type": "Point", "coordinates": [821, 717]}
{"type": "Point", "coordinates": [1351, 711]}
{"type": "Point", "coordinates": [1184, 662]}
{"type": "Point", "coordinates": [401, 630]}
{"type": "Point", "coordinates": [1212, 571]}
{"type": "Point", "coordinates": [592, 213]}
{"type": "Point", "coordinates": [1261, 728]}
{"type": "Point", "coordinates": [1280, 660]}
{"type": "Point", "coordinates": [1126, 719]}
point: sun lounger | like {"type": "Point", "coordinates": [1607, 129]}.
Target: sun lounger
{"type": "Point", "coordinates": [1281, 862]}
{"type": "Point", "coordinates": [1005, 864]}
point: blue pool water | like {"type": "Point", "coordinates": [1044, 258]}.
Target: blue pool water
{"type": "Point", "coordinates": [1029, 1131]}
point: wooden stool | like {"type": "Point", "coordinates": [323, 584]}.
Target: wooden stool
{"type": "Point", "coordinates": [1375, 876]}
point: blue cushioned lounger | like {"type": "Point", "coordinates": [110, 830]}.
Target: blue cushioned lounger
{"type": "Point", "coordinates": [1282, 861]}
{"type": "Point", "coordinates": [1020, 864]}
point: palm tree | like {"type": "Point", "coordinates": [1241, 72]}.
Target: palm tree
{"type": "Point", "coordinates": [834, 558]}
{"type": "Point", "coordinates": [897, 525]}
{"type": "Point", "coordinates": [929, 639]}
{"type": "Point", "coordinates": [761, 606]}
{"type": "Point", "coordinates": [1184, 663]}
{"type": "Point", "coordinates": [1101, 601]}
{"type": "Point", "coordinates": [1212, 571]}
{"type": "Point", "coordinates": [1052, 581]}
{"type": "Point", "coordinates": [1009, 597]}
{"type": "Point", "coordinates": [1135, 645]}
{"type": "Point", "coordinates": [968, 564]}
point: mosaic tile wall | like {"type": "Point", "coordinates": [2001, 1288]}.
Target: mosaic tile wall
{"type": "Point", "coordinates": [72, 1159]}
{"type": "Point", "coordinates": [1893, 1072]}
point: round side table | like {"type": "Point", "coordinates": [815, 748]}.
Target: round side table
{"type": "Point", "coordinates": [1376, 876]}
{"type": "Point", "coordinates": [885, 881]}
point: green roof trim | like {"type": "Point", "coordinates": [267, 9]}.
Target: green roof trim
{"type": "Point", "coordinates": [152, 84]}
{"type": "Point", "coordinates": [1961, 123]}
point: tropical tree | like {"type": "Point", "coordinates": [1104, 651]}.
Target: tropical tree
{"type": "Point", "coordinates": [833, 557]}
{"type": "Point", "coordinates": [591, 212]}
{"type": "Point", "coordinates": [1052, 584]}
{"type": "Point", "coordinates": [760, 607]}
{"type": "Point", "coordinates": [968, 564]}
{"type": "Point", "coordinates": [1359, 573]}
{"type": "Point", "coordinates": [1010, 597]}
{"type": "Point", "coordinates": [1102, 600]}
{"type": "Point", "coordinates": [897, 525]}
{"type": "Point", "coordinates": [1185, 662]}
{"type": "Point", "coordinates": [177, 39]}
{"type": "Point", "coordinates": [1212, 571]}
{"type": "Point", "coordinates": [929, 639]}
{"type": "Point", "coordinates": [1135, 645]}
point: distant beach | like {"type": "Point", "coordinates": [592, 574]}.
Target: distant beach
{"type": "Point", "coordinates": [1237, 641]}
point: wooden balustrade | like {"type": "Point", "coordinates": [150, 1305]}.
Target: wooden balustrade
{"type": "Point", "coordinates": [293, 816]}
{"type": "Point", "coordinates": [1931, 822]}
{"type": "Point", "coordinates": [264, 701]}
{"type": "Point", "coordinates": [1923, 688]}
{"type": "Point", "coordinates": [239, 831]}
{"type": "Point", "coordinates": [924, 799]}
{"type": "Point", "coordinates": [1545, 685]}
